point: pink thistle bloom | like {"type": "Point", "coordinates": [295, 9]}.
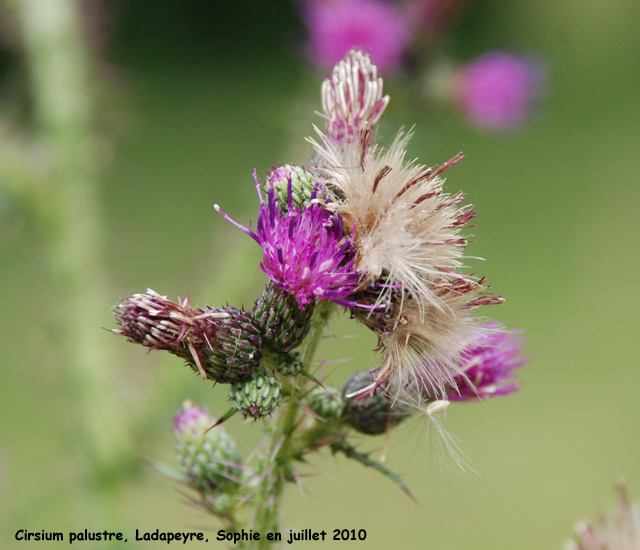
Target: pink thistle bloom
{"type": "Point", "coordinates": [191, 418]}
{"type": "Point", "coordinates": [306, 251]}
{"type": "Point", "coordinates": [487, 366]}
{"type": "Point", "coordinates": [336, 26]}
{"type": "Point", "coordinates": [497, 90]}
{"type": "Point", "coordinates": [352, 97]}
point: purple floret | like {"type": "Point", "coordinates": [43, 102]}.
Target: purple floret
{"type": "Point", "coordinates": [306, 251]}
{"type": "Point", "coordinates": [489, 366]}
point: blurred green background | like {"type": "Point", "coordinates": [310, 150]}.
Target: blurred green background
{"type": "Point", "coordinates": [203, 93]}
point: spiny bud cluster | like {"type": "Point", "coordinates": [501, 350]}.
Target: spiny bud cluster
{"type": "Point", "coordinates": [363, 228]}
{"type": "Point", "coordinates": [224, 344]}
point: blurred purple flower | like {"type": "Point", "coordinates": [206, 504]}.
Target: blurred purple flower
{"type": "Point", "coordinates": [488, 366]}
{"type": "Point", "coordinates": [497, 90]}
{"type": "Point", "coordinates": [191, 418]}
{"type": "Point", "coordinates": [376, 27]}
{"type": "Point", "coordinates": [306, 252]}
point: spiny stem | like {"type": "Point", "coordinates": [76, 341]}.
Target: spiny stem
{"type": "Point", "coordinates": [276, 465]}
{"type": "Point", "coordinates": [323, 312]}
{"type": "Point", "coordinates": [59, 67]}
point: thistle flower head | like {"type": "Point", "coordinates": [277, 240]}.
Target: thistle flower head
{"type": "Point", "coordinates": [405, 227]}
{"type": "Point", "coordinates": [221, 344]}
{"type": "Point", "coordinates": [257, 397]}
{"type": "Point", "coordinates": [373, 25]}
{"type": "Point", "coordinates": [352, 97]}
{"type": "Point", "coordinates": [209, 459]}
{"type": "Point", "coordinates": [621, 532]}
{"type": "Point", "coordinates": [306, 252]}
{"type": "Point", "coordinates": [497, 90]}
{"type": "Point", "coordinates": [488, 365]}
{"type": "Point", "coordinates": [156, 322]}
{"type": "Point", "coordinates": [376, 412]}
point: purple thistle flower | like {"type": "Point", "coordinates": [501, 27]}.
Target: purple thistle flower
{"type": "Point", "coordinates": [497, 90]}
{"type": "Point", "coordinates": [336, 26]}
{"type": "Point", "coordinates": [488, 366]}
{"type": "Point", "coordinates": [306, 251]}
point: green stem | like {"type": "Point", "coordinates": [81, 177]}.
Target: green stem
{"type": "Point", "coordinates": [59, 68]}
{"type": "Point", "coordinates": [323, 312]}
{"type": "Point", "coordinates": [276, 466]}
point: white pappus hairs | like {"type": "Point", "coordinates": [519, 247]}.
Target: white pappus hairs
{"type": "Point", "coordinates": [405, 226]}
{"type": "Point", "coordinates": [425, 346]}
{"type": "Point", "coordinates": [407, 238]}
{"type": "Point", "coordinates": [409, 245]}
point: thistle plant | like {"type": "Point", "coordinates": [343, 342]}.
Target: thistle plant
{"type": "Point", "coordinates": [360, 230]}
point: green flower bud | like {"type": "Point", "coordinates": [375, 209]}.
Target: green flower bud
{"type": "Point", "coordinates": [283, 325]}
{"type": "Point", "coordinates": [375, 413]}
{"type": "Point", "coordinates": [302, 185]}
{"type": "Point", "coordinates": [257, 397]}
{"type": "Point", "coordinates": [210, 460]}
{"type": "Point", "coordinates": [328, 403]}
{"type": "Point", "coordinates": [288, 364]}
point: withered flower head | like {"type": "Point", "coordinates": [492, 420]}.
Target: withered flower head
{"type": "Point", "coordinates": [220, 344]}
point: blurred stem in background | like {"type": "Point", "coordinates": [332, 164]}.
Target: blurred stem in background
{"type": "Point", "coordinates": [56, 172]}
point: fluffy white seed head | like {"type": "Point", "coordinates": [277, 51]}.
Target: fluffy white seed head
{"type": "Point", "coordinates": [407, 231]}
{"type": "Point", "coordinates": [423, 351]}
{"type": "Point", "coordinates": [405, 226]}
